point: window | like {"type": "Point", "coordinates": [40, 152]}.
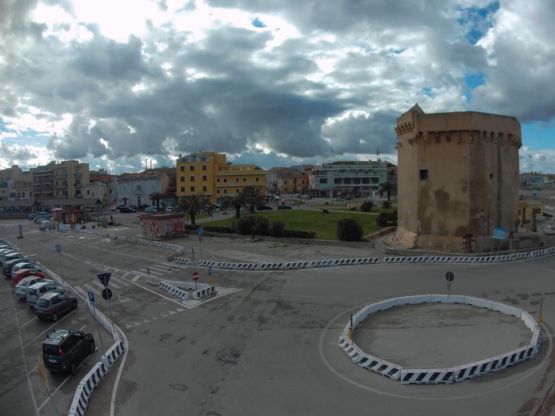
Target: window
{"type": "Point", "coordinates": [203, 167]}
{"type": "Point", "coordinates": [244, 179]}
{"type": "Point", "coordinates": [347, 181]}
{"type": "Point", "coordinates": [225, 179]}
{"type": "Point", "coordinates": [256, 179]}
{"type": "Point", "coordinates": [192, 178]}
{"type": "Point", "coordinates": [182, 168]}
{"type": "Point", "coordinates": [225, 191]}
{"type": "Point", "coordinates": [237, 190]}
{"type": "Point", "coordinates": [323, 180]}
{"type": "Point", "coordinates": [423, 174]}
{"type": "Point", "coordinates": [336, 181]}
{"type": "Point", "coordinates": [204, 188]}
{"type": "Point", "coordinates": [192, 189]}
{"type": "Point", "coordinates": [183, 179]}
{"type": "Point", "coordinates": [491, 175]}
{"type": "Point", "coordinates": [182, 189]}
{"type": "Point", "coordinates": [236, 179]}
{"type": "Point", "coordinates": [192, 168]}
{"type": "Point", "coordinates": [217, 191]}
{"type": "Point", "coordinates": [204, 178]}
{"type": "Point", "coordinates": [218, 180]}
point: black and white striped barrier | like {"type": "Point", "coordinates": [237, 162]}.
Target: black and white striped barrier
{"type": "Point", "coordinates": [174, 290]}
{"type": "Point", "coordinates": [437, 375]}
{"type": "Point", "coordinates": [94, 376]}
{"type": "Point", "coordinates": [85, 388]}
{"type": "Point", "coordinates": [310, 264]}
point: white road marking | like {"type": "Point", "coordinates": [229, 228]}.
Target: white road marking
{"type": "Point", "coordinates": [120, 370]}
{"type": "Point", "coordinates": [29, 321]}
{"type": "Point", "coordinates": [98, 285]}
{"type": "Point", "coordinates": [57, 323]}
{"type": "Point", "coordinates": [114, 284]}
{"type": "Point", "coordinates": [25, 367]}
{"type": "Point", "coordinates": [54, 392]}
{"type": "Point", "coordinates": [137, 277]}
{"type": "Point", "coordinates": [81, 292]}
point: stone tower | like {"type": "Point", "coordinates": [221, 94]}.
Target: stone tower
{"type": "Point", "coordinates": [457, 178]}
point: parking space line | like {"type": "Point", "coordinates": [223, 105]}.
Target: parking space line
{"type": "Point", "coordinates": [53, 393]}
{"type": "Point", "coordinates": [34, 319]}
{"type": "Point", "coordinates": [97, 284]}
{"type": "Point", "coordinates": [49, 328]}
{"type": "Point", "coordinates": [25, 367]}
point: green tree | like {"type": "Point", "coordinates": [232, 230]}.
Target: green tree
{"type": "Point", "coordinates": [193, 205]}
{"type": "Point", "coordinates": [249, 196]}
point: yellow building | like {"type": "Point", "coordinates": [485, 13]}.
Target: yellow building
{"type": "Point", "coordinates": [208, 173]}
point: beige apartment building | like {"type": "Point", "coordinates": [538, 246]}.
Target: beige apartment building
{"type": "Point", "coordinates": [15, 184]}
{"type": "Point", "coordinates": [64, 180]}
{"type": "Point", "coordinates": [458, 178]}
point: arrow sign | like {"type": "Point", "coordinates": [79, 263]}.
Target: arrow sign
{"type": "Point", "coordinates": [107, 293]}
{"type": "Point", "coordinates": [104, 278]}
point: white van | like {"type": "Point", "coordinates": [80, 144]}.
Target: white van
{"type": "Point", "coordinates": [45, 225]}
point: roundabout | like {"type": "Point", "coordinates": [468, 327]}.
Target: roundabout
{"type": "Point", "coordinates": [406, 373]}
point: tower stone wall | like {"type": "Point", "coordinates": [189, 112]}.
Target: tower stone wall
{"type": "Point", "coordinates": [458, 177]}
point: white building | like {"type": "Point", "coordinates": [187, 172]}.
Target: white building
{"type": "Point", "coordinates": [135, 189]}
{"type": "Point", "coordinates": [97, 190]}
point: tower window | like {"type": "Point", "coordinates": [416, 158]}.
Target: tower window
{"type": "Point", "coordinates": [423, 174]}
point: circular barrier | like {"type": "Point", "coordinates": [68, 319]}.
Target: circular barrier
{"type": "Point", "coordinates": [440, 375]}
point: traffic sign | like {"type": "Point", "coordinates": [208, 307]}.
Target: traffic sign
{"type": "Point", "coordinates": [104, 278]}
{"type": "Point", "coordinates": [196, 276]}
{"type": "Point", "coordinates": [90, 295]}
{"type": "Point", "coordinates": [200, 231]}
{"type": "Point", "coordinates": [449, 276]}
{"type": "Point", "coordinates": [107, 293]}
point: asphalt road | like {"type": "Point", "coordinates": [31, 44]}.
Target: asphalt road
{"type": "Point", "coordinates": [271, 347]}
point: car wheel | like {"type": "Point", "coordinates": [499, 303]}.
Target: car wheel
{"type": "Point", "coordinates": [54, 317]}
{"type": "Point", "coordinates": [92, 347]}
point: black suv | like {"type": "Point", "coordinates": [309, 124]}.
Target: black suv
{"type": "Point", "coordinates": [63, 350]}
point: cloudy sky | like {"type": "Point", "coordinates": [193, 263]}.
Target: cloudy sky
{"type": "Point", "coordinates": [272, 82]}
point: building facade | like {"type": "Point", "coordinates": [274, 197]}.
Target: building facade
{"type": "Point", "coordinates": [356, 178]}
{"type": "Point", "coordinates": [457, 178]}
{"type": "Point", "coordinates": [287, 181]}
{"type": "Point", "coordinates": [64, 180]}
{"type": "Point", "coordinates": [209, 174]}
{"type": "Point", "coordinates": [136, 189]}
{"type": "Point", "coordinates": [15, 184]}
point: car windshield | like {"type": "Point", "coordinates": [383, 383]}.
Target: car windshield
{"type": "Point", "coordinates": [42, 303]}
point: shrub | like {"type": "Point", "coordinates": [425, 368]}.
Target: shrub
{"type": "Point", "coordinates": [245, 225]}
{"type": "Point", "coordinates": [387, 219]}
{"type": "Point", "coordinates": [299, 234]}
{"type": "Point", "coordinates": [325, 211]}
{"type": "Point", "coordinates": [386, 204]}
{"type": "Point", "coordinates": [353, 208]}
{"type": "Point", "coordinates": [367, 206]}
{"type": "Point", "coordinates": [277, 228]}
{"type": "Point", "coordinates": [262, 226]}
{"type": "Point", "coordinates": [349, 229]}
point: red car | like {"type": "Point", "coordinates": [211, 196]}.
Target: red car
{"type": "Point", "coordinates": [23, 273]}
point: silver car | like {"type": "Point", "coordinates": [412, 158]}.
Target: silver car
{"type": "Point", "coordinates": [23, 285]}
{"type": "Point", "coordinates": [38, 289]}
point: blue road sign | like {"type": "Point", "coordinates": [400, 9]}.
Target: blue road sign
{"type": "Point", "coordinates": [200, 231]}
{"type": "Point", "coordinates": [90, 294]}
{"type": "Point", "coordinates": [500, 233]}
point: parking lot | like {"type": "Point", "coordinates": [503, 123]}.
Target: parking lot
{"type": "Point", "coordinates": [270, 346]}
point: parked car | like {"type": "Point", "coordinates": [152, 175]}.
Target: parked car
{"type": "Point", "coordinates": [169, 209]}
{"type": "Point", "coordinates": [264, 208]}
{"type": "Point", "coordinates": [45, 225]}
{"type": "Point", "coordinates": [151, 210]}
{"type": "Point", "coordinates": [9, 265]}
{"type": "Point", "coordinates": [126, 210]}
{"type": "Point", "coordinates": [12, 256]}
{"type": "Point", "coordinates": [64, 350]}
{"type": "Point", "coordinates": [52, 305]}
{"type": "Point", "coordinates": [23, 273]}
{"type": "Point", "coordinates": [284, 207]}
{"type": "Point", "coordinates": [23, 265]}
{"type": "Point", "coordinates": [24, 284]}
{"type": "Point", "coordinates": [38, 289]}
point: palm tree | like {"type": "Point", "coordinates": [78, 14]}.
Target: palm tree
{"type": "Point", "coordinates": [193, 205]}
{"type": "Point", "coordinates": [155, 199]}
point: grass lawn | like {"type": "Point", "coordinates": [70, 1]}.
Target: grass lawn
{"type": "Point", "coordinates": [323, 224]}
